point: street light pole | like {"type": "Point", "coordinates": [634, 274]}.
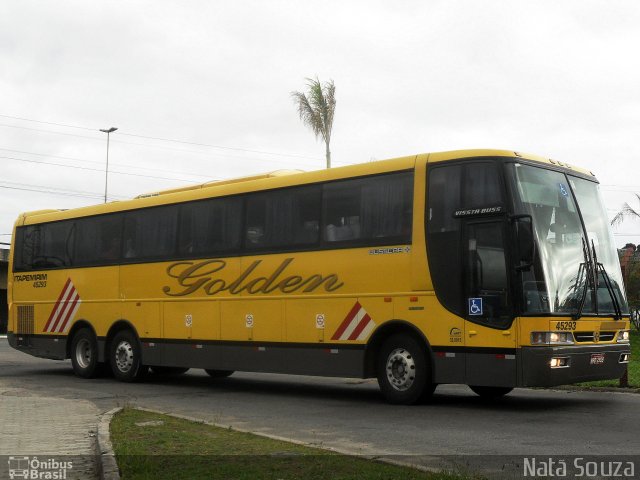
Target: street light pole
{"type": "Point", "coordinates": [108, 131]}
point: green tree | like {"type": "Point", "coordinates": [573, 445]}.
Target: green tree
{"type": "Point", "coordinates": [629, 256]}
{"type": "Point", "coordinates": [632, 286]}
{"type": "Point", "coordinates": [316, 108]}
{"type": "Point", "coordinates": [633, 282]}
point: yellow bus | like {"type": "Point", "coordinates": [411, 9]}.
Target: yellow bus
{"type": "Point", "coordinates": [489, 268]}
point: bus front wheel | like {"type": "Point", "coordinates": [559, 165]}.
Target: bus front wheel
{"type": "Point", "coordinates": [404, 373]}
{"type": "Point", "coordinates": [84, 353]}
{"type": "Point", "coordinates": [126, 358]}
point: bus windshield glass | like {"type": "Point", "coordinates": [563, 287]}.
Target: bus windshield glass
{"type": "Point", "coordinates": [575, 270]}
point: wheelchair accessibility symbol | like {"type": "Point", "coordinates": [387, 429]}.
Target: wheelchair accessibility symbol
{"type": "Point", "coordinates": [475, 306]}
{"type": "Point", "coordinates": [563, 190]}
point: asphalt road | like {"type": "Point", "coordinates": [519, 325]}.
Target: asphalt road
{"type": "Point", "coordinates": [349, 414]}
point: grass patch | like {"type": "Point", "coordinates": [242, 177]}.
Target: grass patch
{"type": "Point", "coordinates": [153, 446]}
{"type": "Point", "coordinates": [634, 367]}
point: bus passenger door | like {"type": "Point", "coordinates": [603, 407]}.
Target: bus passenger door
{"type": "Point", "coordinates": [490, 335]}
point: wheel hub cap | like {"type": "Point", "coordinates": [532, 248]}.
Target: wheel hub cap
{"type": "Point", "coordinates": [83, 353]}
{"type": "Point", "coordinates": [124, 356]}
{"type": "Point", "coordinates": [401, 369]}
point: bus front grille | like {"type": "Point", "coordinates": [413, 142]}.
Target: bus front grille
{"type": "Point", "coordinates": [585, 337]}
{"type": "Point", "coordinates": [25, 319]}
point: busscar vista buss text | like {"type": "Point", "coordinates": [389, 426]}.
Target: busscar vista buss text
{"type": "Point", "coordinates": [489, 268]}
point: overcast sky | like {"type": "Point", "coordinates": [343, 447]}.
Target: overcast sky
{"type": "Point", "coordinates": [556, 78]}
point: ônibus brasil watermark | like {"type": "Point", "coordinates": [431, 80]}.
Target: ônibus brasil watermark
{"type": "Point", "coordinates": [34, 468]}
{"type": "Point", "coordinates": [577, 467]}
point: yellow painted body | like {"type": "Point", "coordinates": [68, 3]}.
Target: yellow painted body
{"type": "Point", "coordinates": [299, 297]}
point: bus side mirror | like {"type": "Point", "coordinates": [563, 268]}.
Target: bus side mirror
{"type": "Point", "coordinates": [523, 226]}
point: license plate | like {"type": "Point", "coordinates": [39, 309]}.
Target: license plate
{"type": "Point", "coordinates": [597, 358]}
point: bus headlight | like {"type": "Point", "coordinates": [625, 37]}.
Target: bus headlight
{"type": "Point", "coordinates": [623, 336]}
{"type": "Point", "coordinates": [552, 338]}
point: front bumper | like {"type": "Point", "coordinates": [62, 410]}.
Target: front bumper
{"type": "Point", "coordinates": [537, 372]}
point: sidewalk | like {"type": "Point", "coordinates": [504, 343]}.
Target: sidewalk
{"type": "Point", "coordinates": [50, 430]}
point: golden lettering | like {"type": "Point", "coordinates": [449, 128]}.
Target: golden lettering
{"type": "Point", "coordinates": [192, 277]}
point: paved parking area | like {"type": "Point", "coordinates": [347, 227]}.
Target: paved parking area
{"type": "Point", "coordinates": [48, 430]}
{"type": "Point", "coordinates": [48, 409]}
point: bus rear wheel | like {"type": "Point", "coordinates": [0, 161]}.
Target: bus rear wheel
{"type": "Point", "coordinates": [126, 357]}
{"type": "Point", "coordinates": [218, 373]}
{"type": "Point", "coordinates": [84, 354]}
{"type": "Point", "coordinates": [490, 392]}
{"type": "Point", "coordinates": [404, 373]}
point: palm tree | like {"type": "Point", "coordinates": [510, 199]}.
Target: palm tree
{"type": "Point", "coordinates": [626, 212]}
{"type": "Point", "coordinates": [316, 109]}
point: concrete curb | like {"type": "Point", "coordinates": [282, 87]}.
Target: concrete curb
{"type": "Point", "coordinates": [574, 388]}
{"type": "Point", "coordinates": [107, 465]}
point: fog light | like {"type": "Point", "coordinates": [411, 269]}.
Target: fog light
{"type": "Point", "coordinates": [559, 362]}
{"type": "Point", "coordinates": [624, 358]}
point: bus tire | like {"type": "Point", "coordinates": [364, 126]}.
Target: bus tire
{"type": "Point", "coordinates": [84, 354]}
{"type": "Point", "coordinates": [169, 370]}
{"type": "Point", "coordinates": [219, 373]}
{"type": "Point", "coordinates": [490, 392]}
{"type": "Point", "coordinates": [404, 373]}
{"type": "Point", "coordinates": [125, 357]}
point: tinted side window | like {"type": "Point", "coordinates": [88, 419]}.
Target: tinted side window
{"type": "Point", "coordinates": [98, 240]}
{"type": "Point", "coordinates": [373, 210]}
{"type": "Point", "coordinates": [57, 244]}
{"type": "Point", "coordinates": [44, 246]}
{"type": "Point", "coordinates": [366, 211]}
{"type": "Point", "coordinates": [210, 226]}
{"type": "Point", "coordinates": [150, 233]}
{"type": "Point", "coordinates": [283, 218]}
{"type": "Point", "coordinates": [24, 247]}
{"type": "Point", "coordinates": [481, 186]}
{"type": "Point", "coordinates": [444, 235]}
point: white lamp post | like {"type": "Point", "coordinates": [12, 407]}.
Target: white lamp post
{"type": "Point", "coordinates": [108, 131]}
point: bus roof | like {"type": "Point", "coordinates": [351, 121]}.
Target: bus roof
{"type": "Point", "coordinates": [277, 179]}
{"type": "Point", "coordinates": [217, 183]}
{"type": "Point", "coordinates": [460, 154]}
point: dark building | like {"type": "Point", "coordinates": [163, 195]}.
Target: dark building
{"type": "Point", "coordinates": [4, 310]}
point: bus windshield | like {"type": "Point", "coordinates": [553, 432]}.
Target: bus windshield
{"type": "Point", "coordinates": [575, 270]}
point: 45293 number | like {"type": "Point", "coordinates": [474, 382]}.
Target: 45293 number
{"type": "Point", "coordinates": [566, 326]}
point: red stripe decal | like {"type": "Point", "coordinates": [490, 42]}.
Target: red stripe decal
{"type": "Point", "coordinates": [343, 326]}
{"type": "Point", "coordinates": [62, 308]}
{"type": "Point", "coordinates": [64, 305]}
{"type": "Point", "coordinates": [55, 307]}
{"type": "Point", "coordinates": [363, 323]}
{"type": "Point", "coordinates": [71, 310]}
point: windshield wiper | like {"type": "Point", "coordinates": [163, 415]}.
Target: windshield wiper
{"type": "Point", "coordinates": [585, 268]}
{"type": "Point", "coordinates": [599, 268]}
